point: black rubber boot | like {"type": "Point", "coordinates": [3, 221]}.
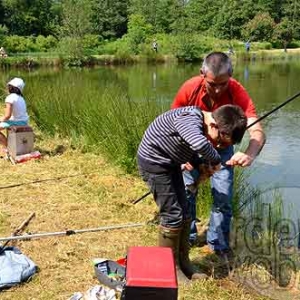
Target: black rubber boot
{"type": "Point", "coordinates": [184, 249]}
{"type": "Point", "coordinates": [169, 237]}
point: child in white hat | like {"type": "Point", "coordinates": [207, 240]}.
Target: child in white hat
{"type": "Point", "coordinates": [15, 113]}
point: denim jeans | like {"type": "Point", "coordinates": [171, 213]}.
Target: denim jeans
{"type": "Point", "coordinates": [221, 213]}
{"type": "Point", "coordinates": [189, 179]}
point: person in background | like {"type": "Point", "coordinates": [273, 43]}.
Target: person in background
{"type": "Point", "coordinates": [15, 113]}
{"type": "Point", "coordinates": [2, 52]}
{"type": "Point", "coordinates": [213, 88]}
{"type": "Point", "coordinates": [155, 46]}
{"type": "Point", "coordinates": [172, 139]}
{"type": "Point", "coordinates": [247, 46]}
{"type": "Point", "coordinates": [230, 50]}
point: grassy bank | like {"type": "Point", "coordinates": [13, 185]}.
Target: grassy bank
{"type": "Point", "coordinates": [101, 197]}
{"type": "Point", "coordinates": [33, 60]}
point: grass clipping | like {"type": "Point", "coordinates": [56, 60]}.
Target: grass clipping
{"type": "Point", "coordinates": [99, 196]}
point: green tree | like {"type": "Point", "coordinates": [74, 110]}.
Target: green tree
{"type": "Point", "coordinates": [283, 32]}
{"type": "Point", "coordinates": [273, 7]}
{"type": "Point", "coordinates": [260, 28]}
{"type": "Point", "coordinates": [31, 17]}
{"type": "Point", "coordinates": [3, 33]}
{"type": "Point", "coordinates": [109, 18]}
{"type": "Point", "coordinates": [291, 11]}
{"type": "Point", "coordinates": [1, 13]}
{"type": "Point", "coordinates": [138, 31]}
{"type": "Point", "coordinates": [76, 16]}
{"type": "Point", "coordinates": [145, 8]}
{"type": "Point", "coordinates": [165, 16]}
{"type": "Point", "coordinates": [76, 24]}
{"type": "Point", "coordinates": [201, 14]}
{"type": "Point", "coordinates": [230, 16]}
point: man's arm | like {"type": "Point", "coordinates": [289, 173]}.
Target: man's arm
{"type": "Point", "coordinates": [257, 138]}
{"type": "Point", "coordinates": [256, 143]}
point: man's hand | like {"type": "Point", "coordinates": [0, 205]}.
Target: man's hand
{"type": "Point", "coordinates": [240, 159]}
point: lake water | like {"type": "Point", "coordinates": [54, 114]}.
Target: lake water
{"type": "Point", "coordinates": [268, 83]}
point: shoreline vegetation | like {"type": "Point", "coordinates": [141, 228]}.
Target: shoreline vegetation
{"type": "Point", "coordinates": [32, 60]}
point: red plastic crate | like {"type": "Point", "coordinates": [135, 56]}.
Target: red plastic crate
{"type": "Point", "coordinates": [150, 274]}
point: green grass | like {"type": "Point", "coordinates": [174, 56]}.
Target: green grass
{"type": "Point", "coordinates": [100, 197]}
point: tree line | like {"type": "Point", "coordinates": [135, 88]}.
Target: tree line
{"type": "Point", "coordinates": [275, 21]}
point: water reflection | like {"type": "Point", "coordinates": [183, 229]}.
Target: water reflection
{"type": "Point", "coordinates": [246, 73]}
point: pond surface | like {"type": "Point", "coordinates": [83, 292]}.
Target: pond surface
{"type": "Point", "coordinates": [268, 83]}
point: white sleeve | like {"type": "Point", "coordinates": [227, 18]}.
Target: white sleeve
{"type": "Point", "coordinates": [11, 98]}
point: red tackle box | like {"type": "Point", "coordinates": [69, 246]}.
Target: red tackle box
{"type": "Point", "coordinates": [150, 274]}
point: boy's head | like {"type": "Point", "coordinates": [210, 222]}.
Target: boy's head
{"type": "Point", "coordinates": [229, 125]}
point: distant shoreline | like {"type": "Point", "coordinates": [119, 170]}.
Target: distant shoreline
{"type": "Point", "coordinates": [46, 60]}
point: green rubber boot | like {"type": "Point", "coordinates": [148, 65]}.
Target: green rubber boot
{"type": "Point", "coordinates": [169, 237]}
{"type": "Point", "coordinates": [184, 249]}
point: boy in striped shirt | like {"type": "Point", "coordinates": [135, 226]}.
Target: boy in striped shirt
{"type": "Point", "coordinates": [172, 139]}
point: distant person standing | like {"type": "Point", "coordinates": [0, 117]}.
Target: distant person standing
{"type": "Point", "coordinates": [3, 52]}
{"type": "Point", "coordinates": [230, 50]}
{"type": "Point", "coordinates": [15, 113]}
{"type": "Point", "coordinates": [247, 46]}
{"type": "Point", "coordinates": [155, 46]}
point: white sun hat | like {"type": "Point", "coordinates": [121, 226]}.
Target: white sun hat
{"type": "Point", "coordinates": [18, 83]}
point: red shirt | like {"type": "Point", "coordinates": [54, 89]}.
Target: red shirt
{"type": "Point", "coordinates": [193, 92]}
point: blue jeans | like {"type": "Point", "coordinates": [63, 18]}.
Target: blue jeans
{"type": "Point", "coordinates": [189, 178]}
{"type": "Point", "coordinates": [221, 213]}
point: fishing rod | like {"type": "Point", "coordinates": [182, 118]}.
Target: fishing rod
{"type": "Point", "coordinates": [141, 198]}
{"type": "Point", "coordinates": [18, 230]}
{"type": "Point", "coordinates": [249, 126]}
{"type": "Point", "coordinates": [68, 232]}
{"type": "Point", "coordinates": [274, 109]}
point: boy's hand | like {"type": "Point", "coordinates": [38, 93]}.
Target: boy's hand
{"type": "Point", "coordinates": [187, 167]}
{"type": "Point", "coordinates": [207, 170]}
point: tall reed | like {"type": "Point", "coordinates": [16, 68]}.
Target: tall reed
{"type": "Point", "coordinates": [105, 121]}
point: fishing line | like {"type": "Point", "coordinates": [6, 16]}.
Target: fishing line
{"type": "Point", "coordinates": [45, 180]}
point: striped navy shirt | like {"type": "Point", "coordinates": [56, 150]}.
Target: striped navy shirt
{"type": "Point", "coordinates": [175, 137]}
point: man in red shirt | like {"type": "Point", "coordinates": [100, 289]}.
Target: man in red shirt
{"type": "Point", "coordinates": [213, 88]}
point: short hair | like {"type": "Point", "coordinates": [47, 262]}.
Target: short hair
{"type": "Point", "coordinates": [231, 121]}
{"type": "Point", "coordinates": [218, 63]}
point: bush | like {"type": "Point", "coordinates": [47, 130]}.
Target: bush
{"type": "Point", "coordinates": [43, 44]}
{"type": "Point", "coordinates": [91, 41]}
{"type": "Point", "coordinates": [15, 43]}
{"type": "Point", "coordinates": [187, 47]}
{"type": "Point", "coordinates": [294, 44]}
{"type": "Point", "coordinates": [119, 47]}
